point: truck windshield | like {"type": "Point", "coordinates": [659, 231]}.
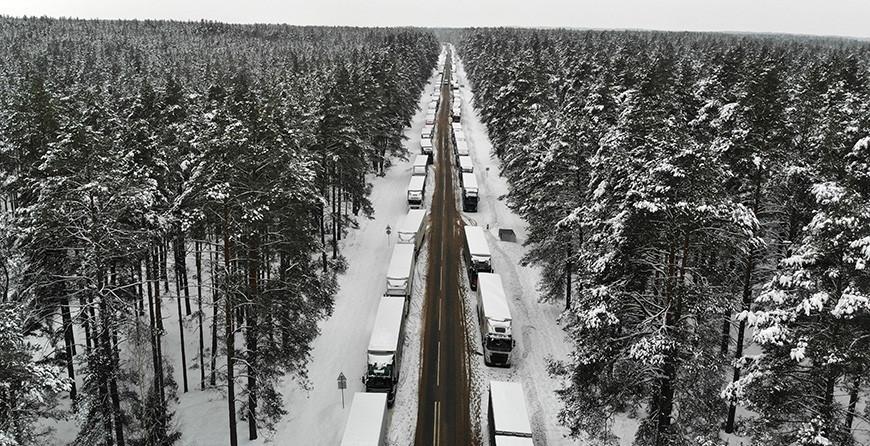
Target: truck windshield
{"type": "Point", "coordinates": [379, 383]}
{"type": "Point", "coordinates": [380, 373]}
{"type": "Point", "coordinates": [499, 344]}
{"type": "Point", "coordinates": [481, 265]}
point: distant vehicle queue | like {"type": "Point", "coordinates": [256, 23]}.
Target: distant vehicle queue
{"type": "Point", "coordinates": [508, 417]}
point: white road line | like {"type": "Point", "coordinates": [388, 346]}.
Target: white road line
{"type": "Point", "coordinates": [435, 427]}
{"type": "Point", "coordinates": [440, 313]}
{"type": "Point", "coordinates": [438, 366]}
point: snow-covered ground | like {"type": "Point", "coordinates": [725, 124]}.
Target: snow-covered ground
{"type": "Point", "coordinates": [535, 326]}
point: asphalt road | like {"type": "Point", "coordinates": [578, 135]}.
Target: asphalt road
{"type": "Point", "coordinates": [443, 412]}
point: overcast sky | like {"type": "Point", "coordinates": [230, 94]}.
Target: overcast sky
{"type": "Point", "coordinates": [825, 17]}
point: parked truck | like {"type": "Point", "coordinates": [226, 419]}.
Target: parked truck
{"type": "Point", "coordinates": [367, 422]}
{"type": "Point", "coordinates": [428, 131]}
{"type": "Point", "coordinates": [384, 354]}
{"type": "Point", "coordinates": [465, 164]}
{"type": "Point", "coordinates": [508, 416]}
{"type": "Point", "coordinates": [461, 149]}
{"type": "Point", "coordinates": [421, 165]}
{"type": "Point", "coordinates": [458, 136]}
{"type": "Point", "coordinates": [416, 191]}
{"type": "Point", "coordinates": [426, 148]}
{"type": "Point", "coordinates": [477, 256]}
{"type": "Point", "coordinates": [495, 320]}
{"type": "Point", "coordinates": [412, 228]}
{"type": "Point", "coordinates": [400, 273]}
{"type": "Point", "coordinates": [469, 192]}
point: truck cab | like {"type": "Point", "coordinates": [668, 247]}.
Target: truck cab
{"type": "Point", "coordinates": [385, 348]}
{"type": "Point", "coordinates": [469, 192]}
{"type": "Point", "coordinates": [495, 320]}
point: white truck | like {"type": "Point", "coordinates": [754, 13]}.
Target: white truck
{"type": "Point", "coordinates": [421, 165]}
{"type": "Point", "coordinates": [384, 354]}
{"type": "Point", "coordinates": [426, 148]}
{"type": "Point", "coordinates": [367, 422]}
{"type": "Point", "coordinates": [477, 256]}
{"type": "Point", "coordinates": [428, 131]}
{"type": "Point", "coordinates": [458, 137]}
{"type": "Point", "coordinates": [412, 228]}
{"type": "Point", "coordinates": [508, 416]}
{"type": "Point", "coordinates": [461, 148]}
{"type": "Point", "coordinates": [416, 191]}
{"type": "Point", "coordinates": [465, 164]}
{"type": "Point", "coordinates": [494, 316]}
{"type": "Point", "coordinates": [470, 193]}
{"type": "Point", "coordinates": [400, 273]}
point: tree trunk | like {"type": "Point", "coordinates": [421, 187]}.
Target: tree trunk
{"type": "Point", "coordinates": [568, 266]}
{"type": "Point", "coordinates": [198, 255]}
{"type": "Point", "coordinates": [338, 207]}
{"type": "Point", "coordinates": [334, 223]}
{"type": "Point", "coordinates": [741, 330]}
{"type": "Point", "coordinates": [323, 237]}
{"type": "Point", "coordinates": [181, 267]}
{"type": "Point", "coordinates": [107, 351]}
{"type": "Point", "coordinates": [230, 337]}
{"type": "Point", "coordinates": [665, 404]}
{"type": "Point", "coordinates": [164, 274]}
{"type": "Point", "coordinates": [140, 294]}
{"type": "Point", "coordinates": [70, 347]}
{"type": "Point", "coordinates": [746, 304]}
{"type": "Point", "coordinates": [251, 339]}
{"type": "Point", "coordinates": [84, 313]}
{"type": "Point", "coordinates": [158, 314]}
{"type": "Point", "coordinates": [215, 299]}
{"type": "Point", "coordinates": [853, 401]}
{"type": "Point", "coordinates": [181, 328]}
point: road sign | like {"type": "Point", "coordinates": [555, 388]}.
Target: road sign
{"type": "Point", "coordinates": [342, 384]}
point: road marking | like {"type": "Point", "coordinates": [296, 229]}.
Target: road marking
{"type": "Point", "coordinates": [440, 313]}
{"type": "Point", "coordinates": [435, 426]}
{"type": "Point", "coordinates": [438, 366]}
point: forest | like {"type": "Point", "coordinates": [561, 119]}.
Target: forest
{"type": "Point", "coordinates": [701, 203]}
{"type": "Point", "coordinates": [194, 177]}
